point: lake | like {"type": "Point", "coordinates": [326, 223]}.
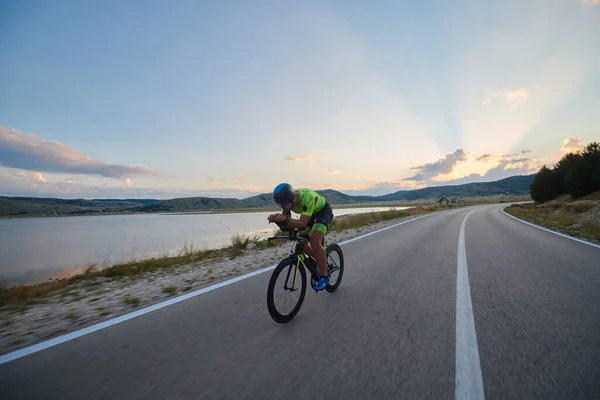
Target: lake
{"type": "Point", "coordinates": [32, 249]}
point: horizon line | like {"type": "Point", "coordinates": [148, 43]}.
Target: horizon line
{"type": "Point", "coordinates": [260, 194]}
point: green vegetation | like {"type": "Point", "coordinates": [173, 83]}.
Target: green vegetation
{"type": "Point", "coordinates": [102, 311]}
{"type": "Point", "coordinates": [55, 332]}
{"type": "Point", "coordinates": [577, 174]}
{"type": "Point", "coordinates": [71, 315]}
{"type": "Point", "coordinates": [544, 186]}
{"type": "Point", "coordinates": [170, 290]}
{"type": "Point", "coordinates": [132, 301]}
{"type": "Point", "coordinates": [579, 218]}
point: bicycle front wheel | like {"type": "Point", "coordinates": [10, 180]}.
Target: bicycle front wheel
{"type": "Point", "coordinates": [287, 289]}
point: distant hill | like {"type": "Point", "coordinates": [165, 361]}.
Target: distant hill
{"type": "Point", "coordinates": [514, 185]}
{"type": "Point", "coordinates": [333, 196]}
{"type": "Point", "coordinates": [17, 206]}
{"type": "Point", "coordinates": [193, 204]}
{"type": "Point", "coordinates": [31, 206]}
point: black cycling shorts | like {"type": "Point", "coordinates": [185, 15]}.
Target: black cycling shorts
{"type": "Point", "coordinates": [320, 220]}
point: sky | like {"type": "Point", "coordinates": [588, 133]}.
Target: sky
{"type": "Point", "coordinates": [156, 99]}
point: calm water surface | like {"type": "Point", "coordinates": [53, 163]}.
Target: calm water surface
{"type": "Point", "coordinates": [37, 248]}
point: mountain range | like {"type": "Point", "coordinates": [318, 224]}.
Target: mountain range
{"type": "Point", "coordinates": [33, 206]}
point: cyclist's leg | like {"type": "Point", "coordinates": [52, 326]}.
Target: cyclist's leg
{"type": "Point", "coordinates": [308, 250]}
{"type": "Point", "coordinates": [316, 238]}
{"type": "Point", "coordinates": [306, 233]}
{"type": "Point", "coordinates": [319, 229]}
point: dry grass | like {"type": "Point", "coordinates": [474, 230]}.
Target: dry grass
{"type": "Point", "coordinates": [592, 196]}
{"type": "Point", "coordinates": [578, 207]}
{"type": "Point", "coordinates": [571, 218]}
{"type": "Point", "coordinates": [56, 332]}
{"type": "Point", "coordinates": [132, 301]}
{"type": "Point", "coordinates": [72, 315]}
{"type": "Point", "coordinates": [170, 290]}
{"type": "Point", "coordinates": [359, 220]}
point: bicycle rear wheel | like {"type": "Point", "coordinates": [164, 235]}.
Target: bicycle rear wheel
{"type": "Point", "coordinates": [335, 266]}
{"type": "Point", "coordinates": [287, 288]}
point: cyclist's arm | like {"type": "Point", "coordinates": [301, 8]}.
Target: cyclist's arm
{"type": "Point", "coordinates": [308, 206]}
{"type": "Point", "coordinates": [298, 223]}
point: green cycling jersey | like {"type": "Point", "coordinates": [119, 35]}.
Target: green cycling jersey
{"type": "Point", "coordinates": [310, 202]}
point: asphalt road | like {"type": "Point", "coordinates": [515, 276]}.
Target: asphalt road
{"type": "Point", "coordinates": [390, 331]}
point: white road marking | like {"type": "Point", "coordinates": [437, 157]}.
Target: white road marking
{"type": "Point", "coordinates": [549, 230]}
{"type": "Point", "coordinates": [384, 229]}
{"type": "Point", "coordinates": [96, 327]}
{"type": "Point", "coordinates": [469, 381]}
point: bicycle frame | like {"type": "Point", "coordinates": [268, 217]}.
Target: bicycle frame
{"type": "Point", "coordinates": [299, 257]}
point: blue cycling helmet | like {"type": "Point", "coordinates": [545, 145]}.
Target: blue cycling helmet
{"type": "Point", "coordinates": [283, 194]}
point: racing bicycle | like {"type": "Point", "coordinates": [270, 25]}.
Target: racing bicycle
{"type": "Point", "coordinates": [287, 286]}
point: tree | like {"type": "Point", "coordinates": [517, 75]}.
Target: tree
{"type": "Point", "coordinates": [562, 169]}
{"type": "Point", "coordinates": [584, 177]}
{"type": "Point", "coordinates": [544, 187]}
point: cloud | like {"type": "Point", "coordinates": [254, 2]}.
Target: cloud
{"type": "Point", "coordinates": [518, 160]}
{"type": "Point", "coordinates": [31, 153]}
{"type": "Point", "coordinates": [571, 145]}
{"type": "Point", "coordinates": [128, 182]}
{"type": "Point", "coordinates": [33, 176]}
{"type": "Point", "coordinates": [463, 167]}
{"type": "Point", "coordinates": [503, 168]}
{"type": "Point", "coordinates": [441, 167]}
{"type": "Point", "coordinates": [38, 176]}
{"type": "Point", "coordinates": [591, 2]}
{"type": "Point", "coordinates": [507, 168]}
{"type": "Point", "coordinates": [522, 152]}
{"type": "Point", "coordinates": [301, 158]}
{"type": "Point", "coordinates": [514, 98]}
{"type": "Point", "coordinates": [334, 171]}
{"type": "Point", "coordinates": [14, 182]}
{"type": "Point", "coordinates": [215, 178]}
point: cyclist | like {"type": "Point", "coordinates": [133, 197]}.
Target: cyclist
{"type": "Point", "coordinates": [315, 216]}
